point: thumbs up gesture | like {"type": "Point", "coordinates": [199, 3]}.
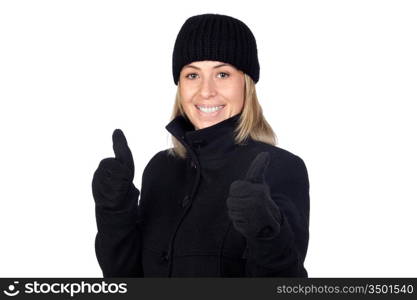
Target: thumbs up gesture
{"type": "Point", "coordinates": [250, 207]}
{"type": "Point", "coordinates": [112, 183]}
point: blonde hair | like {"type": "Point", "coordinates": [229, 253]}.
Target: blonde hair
{"type": "Point", "coordinates": [252, 122]}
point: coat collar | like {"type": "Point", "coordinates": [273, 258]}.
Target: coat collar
{"type": "Point", "coordinates": [211, 141]}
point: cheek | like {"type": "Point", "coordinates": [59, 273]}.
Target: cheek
{"type": "Point", "coordinates": [187, 93]}
{"type": "Point", "coordinates": [236, 95]}
{"type": "Point", "coordinates": [187, 101]}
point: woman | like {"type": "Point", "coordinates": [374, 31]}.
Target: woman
{"type": "Point", "coordinates": [224, 201]}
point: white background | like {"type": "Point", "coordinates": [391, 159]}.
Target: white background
{"type": "Point", "coordinates": [338, 83]}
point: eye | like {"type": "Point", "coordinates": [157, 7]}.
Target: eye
{"type": "Point", "coordinates": [224, 73]}
{"type": "Point", "coordinates": [188, 75]}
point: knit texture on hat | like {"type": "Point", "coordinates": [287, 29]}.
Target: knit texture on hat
{"type": "Point", "coordinates": [219, 38]}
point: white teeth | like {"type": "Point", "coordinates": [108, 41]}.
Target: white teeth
{"type": "Point", "coordinates": [210, 109]}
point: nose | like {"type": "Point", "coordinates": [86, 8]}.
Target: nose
{"type": "Point", "coordinates": [208, 88]}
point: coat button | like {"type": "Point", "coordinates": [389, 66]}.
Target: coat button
{"type": "Point", "coordinates": [185, 201]}
{"type": "Point", "coordinates": [193, 164]}
{"type": "Point", "coordinates": [164, 256]}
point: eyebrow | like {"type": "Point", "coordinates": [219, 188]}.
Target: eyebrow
{"type": "Point", "coordinates": [215, 67]}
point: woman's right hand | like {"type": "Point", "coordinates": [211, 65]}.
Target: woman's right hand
{"type": "Point", "coordinates": [112, 183]}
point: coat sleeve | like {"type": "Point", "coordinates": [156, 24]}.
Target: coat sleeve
{"type": "Point", "coordinates": [284, 254]}
{"type": "Point", "coordinates": [117, 242]}
{"type": "Point", "coordinates": [118, 239]}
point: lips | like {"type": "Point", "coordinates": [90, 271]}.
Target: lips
{"type": "Point", "coordinates": [210, 109]}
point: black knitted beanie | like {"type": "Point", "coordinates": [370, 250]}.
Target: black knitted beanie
{"type": "Point", "coordinates": [216, 37]}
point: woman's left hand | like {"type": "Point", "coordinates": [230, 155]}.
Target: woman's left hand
{"type": "Point", "coordinates": [250, 207]}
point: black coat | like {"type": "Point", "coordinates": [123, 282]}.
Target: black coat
{"type": "Point", "coordinates": [181, 227]}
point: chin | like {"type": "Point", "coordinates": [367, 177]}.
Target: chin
{"type": "Point", "coordinates": [201, 122]}
{"type": "Point", "coordinates": [202, 125]}
{"type": "Point", "coordinates": [202, 119]}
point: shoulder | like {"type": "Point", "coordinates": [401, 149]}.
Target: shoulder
{"type": "Point", "coordinates": [160, 162]}
{"type": "Point", "coordinates": [284, 165]}
{"type": "Point", "coordinates": [287, 176]}
{"type": "Point", "coordinates": [165, 156]}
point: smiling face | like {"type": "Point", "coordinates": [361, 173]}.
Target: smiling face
{"type": "Point", "coordinates": [211, 91]}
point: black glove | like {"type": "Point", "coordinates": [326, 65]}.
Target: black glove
{"type": "Point", "coordinates": [250, 207]}
{"type": "Point", "coordinates": [112, 184]}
